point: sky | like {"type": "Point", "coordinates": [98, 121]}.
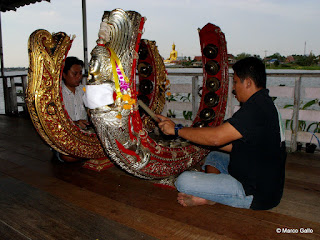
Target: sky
{"type": "Point", "coordinates": [261, 27]}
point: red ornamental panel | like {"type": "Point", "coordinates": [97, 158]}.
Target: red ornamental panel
{"type": "Point", "coordinates": [154, 158]}
{"type": "Point", "coordinates": [215, 77]}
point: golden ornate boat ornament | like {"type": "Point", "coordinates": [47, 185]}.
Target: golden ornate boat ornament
{"type": "Point", "coordinates": [44, 99]}
{"type": "Point", "coordinates": [118, 122]}
{"type": "Point", "coordinates": [129, 137]}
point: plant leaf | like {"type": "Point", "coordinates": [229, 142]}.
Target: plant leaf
{"type": "Point", "coordinates": [309, 104]}
{"type": "Point", "coordinates": [288, 105]}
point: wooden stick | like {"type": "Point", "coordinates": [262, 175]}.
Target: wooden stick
{"type": "Point", "coordinates": [149, 111]}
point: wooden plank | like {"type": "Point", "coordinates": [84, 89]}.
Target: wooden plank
{"type": "Point", "coordinates": [138, 204]}
{"type": "Point", "coordinates": [7, 232]}
{"type": "Point", "coordinates": [300, 201]}
{"type": "Point", "coordinates": [179, 106]}
{"type": "Point", "coordinates": [182, 121]}
{"type": "Point", "coordinates": [309, 115]}
{"type": "Point", "coordinates": [303, 137]}
{"type": "Point", "coordinates": [6, 94]}
{"type": "Point", "coordinates": [286, 92]}
{"type": "Point", "coordinates": [302, 188]}
{"type": "Point", "coordinates": [286, 113]}
{"type": "Point", "coordinates": [139, 219]}
{"type": "Point", "coordinates": [195, 96]}
{"type": "Point", "coordinates": [24, 81]}
{"type": "Point", "coordinates": [18, 84]}
{"type": "Point", "coordinates": [38, 215]}
{"type": "Point", "coordinates": [306, 115]}
{"type": "Point", "coordinates": [309, 160]}
{"type": "Point", "coordinates": [181, 88]}
{"type": "Point", "coordinates": [303, 174]}
{"type": "Point", "coordinates": [312, 93]}
{"type": "Point", "coordinates": [222, 220]}
{"type": "Point", "coordinates": [13, 97]}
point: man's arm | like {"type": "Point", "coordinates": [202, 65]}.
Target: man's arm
{"type": "Point", "coordinates": [226, 148]}
{"type": "Point", "coordinates": [210, 136]}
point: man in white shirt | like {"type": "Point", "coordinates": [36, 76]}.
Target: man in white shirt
{"type": "Point", "coordinates": [72, 91]}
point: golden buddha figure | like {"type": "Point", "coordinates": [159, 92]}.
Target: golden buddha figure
{"type": "Point", "coordinates": [173, 55]}
{"type": "Point", "coordinates": [100, 70]}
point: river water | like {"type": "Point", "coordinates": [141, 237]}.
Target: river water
{"type": "Point", "coordinates": [307, 82]}
{"type": "Point", "coordinates": [271, 81]}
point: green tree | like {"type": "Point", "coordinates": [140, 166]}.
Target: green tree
{"type": "Point", "coordinates": [303, 60]}
{"type": "Point", "coordinates": [242, 56]}
{"type": "Point", "coordinates": [277, 56]}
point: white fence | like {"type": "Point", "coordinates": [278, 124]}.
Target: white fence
{"type": "Point", "coordinates": [295, 93]}
{"type": "Point", "coordinates": [12, 94]}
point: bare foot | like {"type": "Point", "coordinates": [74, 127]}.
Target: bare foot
{"type": "Point", "coordinates": [190, 200]}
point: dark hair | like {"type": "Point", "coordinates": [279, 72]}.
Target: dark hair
{"type": "Point", "coordinates": [253, 68]}
{"type": "Point", "coordinates": [70, 61]}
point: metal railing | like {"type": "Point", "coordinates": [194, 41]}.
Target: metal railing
{"type": "Point", "coordinates": [293, 115]}
{"type": "Point", "coordinates": [14, 88]}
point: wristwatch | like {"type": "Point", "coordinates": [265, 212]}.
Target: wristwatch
{"type": "Point", "coordinates": [177, 127]}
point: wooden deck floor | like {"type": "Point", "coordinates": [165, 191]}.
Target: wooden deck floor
{"type": "Point", "coordinates": [44, 200]}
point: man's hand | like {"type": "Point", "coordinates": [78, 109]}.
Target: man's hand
{"type": "Point", "coordinates": [166, 125]}
{"type": "Point", "coordinates": [82, 124]}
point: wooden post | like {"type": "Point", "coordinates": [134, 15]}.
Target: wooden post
{"type": "Point", "coordinates": [1, 50]}
{"type": "Point", "coordinates": [13, 96]}
{"type": "Point", "coordinates": [24, 82]}
{"type": "Point", "coordinates": [4, 79]}
{"type": "Point", "coordinates": [230, 106]}
{"type": "Point", "coordinates": [6, 96]}
{"type": "Point", "coordinates": [295, 116]}
{"type": "Point", "coordinates": [195, 96]}
{"type": "Point", "coordinates": [85, 41]}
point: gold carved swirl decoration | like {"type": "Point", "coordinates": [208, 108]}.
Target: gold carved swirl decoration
{"type": "Point", "coordinates": [45, 104]}
{"type": "Point", "coordinates": [131, 140]}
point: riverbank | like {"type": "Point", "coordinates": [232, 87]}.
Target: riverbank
{"type": "Point", "coordinates": [280, 67]}
{"type": "Point", "coordinates": [316, 67]}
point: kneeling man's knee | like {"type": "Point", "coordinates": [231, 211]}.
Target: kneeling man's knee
{"type": "Point", "coordinates": [183, 180]}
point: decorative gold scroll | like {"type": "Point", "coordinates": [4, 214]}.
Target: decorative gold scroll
{"type": "Point", "coordinates": [43, 97]}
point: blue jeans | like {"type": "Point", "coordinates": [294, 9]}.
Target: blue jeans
{"type": "Point", "coordinates": [221, 188]}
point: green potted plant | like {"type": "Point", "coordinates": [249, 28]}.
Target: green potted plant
{"type": "Point", "coordinates": [311, 147]}
{"type": "Point", "coordinates": [302, 125]}
{"type": "Point", "coordinates": [171, 113]}
{"type": "Point", "coordinates": [299, 146]}
{"type": "Point", "coordinates": [187, 115]}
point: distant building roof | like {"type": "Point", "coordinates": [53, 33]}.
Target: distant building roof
{"type": "Point", "coordinates": [290, 59]}
{"type": "Point", "coordinates": [198, 58]}
{"type": "Point", "coordinates": [272, 60]}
